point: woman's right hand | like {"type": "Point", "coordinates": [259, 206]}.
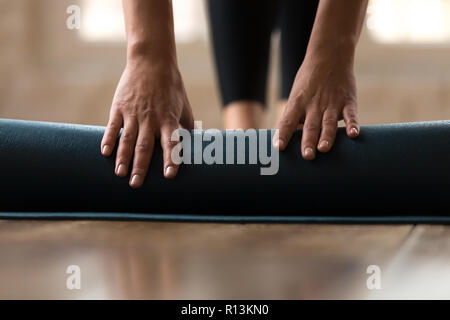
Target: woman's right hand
{"type": "Point", "coordinates": [150, 102]}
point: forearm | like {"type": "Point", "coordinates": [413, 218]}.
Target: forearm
{"type": "Point", "coordinates": [150, 30]}
{"type": "Point", "coordinates": [337, 28]}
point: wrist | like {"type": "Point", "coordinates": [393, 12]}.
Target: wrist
{"type": "Point", "coordinates": [147, 65]}
{"type": "Point", "coordinates": [336, 49]}
{"type": "Point", "coordinates": [331, 56]}
{"type": "Point", "coordinates": [148, 51]}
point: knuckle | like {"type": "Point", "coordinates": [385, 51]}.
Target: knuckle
{"type": "Point", "coordinates": [146, 112]}
{"type": "Point", "coordinates": [169, 145]}
{"type": "Point", "coordinates": [298, 98]}
{"type": "Point", "coordinates": [311, 126]}
{"type": "Point", "coordinates": [122, 160]}
{"type": "Point", "coordinates": [351, 115]}
{"type": "Point", "coordinates": [114, 126]}
{"type": "Point", "coordinates": [121, 105]}
{"type": "Point", "coordinates": [287, 123]}
{"type": "Point", "coordinates": [143, 146]}
{"type": "Point", "coordinates": [329, 121]}
{"type": "Point", "coordinates": [351, 120]}
{"type": "Point", "coordinates": [127, 137]}
{"type": "Point", "coordinates": [139, 168]}
{"type": "Point", "coordinates": [135, 109]}
{"type": "Point", "coordinates": [351, 112]}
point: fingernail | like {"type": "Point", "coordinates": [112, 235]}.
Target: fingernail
{"type": "Point", "coordinates": [354, 131]}
{"type": "Point", "coordinates": [309, 152]}
{"type": "Point", "coordinates": [323, 144]}
{"type": "Point", "coordinates": [170, 172]}
{"type": "Point", "coordinates": [121, 170]}
{"type": "Point", "coordinates": [278, 143]}
{"type": "Point", "coordinates": [105, 149]}
{"type": "Point", "coordinates": [136, 181]}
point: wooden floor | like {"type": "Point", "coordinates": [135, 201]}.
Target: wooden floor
{"type": "Point", "coordinates": [148, 260]}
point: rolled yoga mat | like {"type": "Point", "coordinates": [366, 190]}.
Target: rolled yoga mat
{"type": "Point", "coordinates": [392, 172]}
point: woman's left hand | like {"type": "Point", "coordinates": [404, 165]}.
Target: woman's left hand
{"type": "Point", "coordinates": [324, 92]}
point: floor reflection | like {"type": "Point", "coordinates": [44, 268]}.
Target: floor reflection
{"type": "Point", "coordinates": [144, 260]}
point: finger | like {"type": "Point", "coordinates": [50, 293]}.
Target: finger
{"type": "Point", "coordinates": [351, 120]}
{"type": "Point", "coordinates": [310, 135]}
{"type": "Point", "coordinates": [111, 132]}
{"type": "Point", "coordinates": [126, 146]}
{"type": "Point", "coordinates": [187, 118]}
{"type": "Point", "coordinates": [288, 124]}
{"type": "Point", "coordinates": [329, 128]}
{"type": "Point", "coordinates": [170, 168]}
{"type": "Point", "coordinates": [143, 151]}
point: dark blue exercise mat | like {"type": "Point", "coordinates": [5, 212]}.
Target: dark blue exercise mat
{"type": "Point", "coordinates": [392, 172]}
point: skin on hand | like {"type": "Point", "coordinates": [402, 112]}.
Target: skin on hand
{"type": "Point", "coordinates": [321, 96]}
{"type": "Point", "coordinates": [150, 102]}
{"type": "Point", "coordinates": [324, 90]}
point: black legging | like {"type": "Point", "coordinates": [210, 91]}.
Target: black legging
{"type": "Point", "coordinates": [241, 33]}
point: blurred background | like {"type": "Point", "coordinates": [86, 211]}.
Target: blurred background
{"type": "Point", "coordinates": [51, 73]}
